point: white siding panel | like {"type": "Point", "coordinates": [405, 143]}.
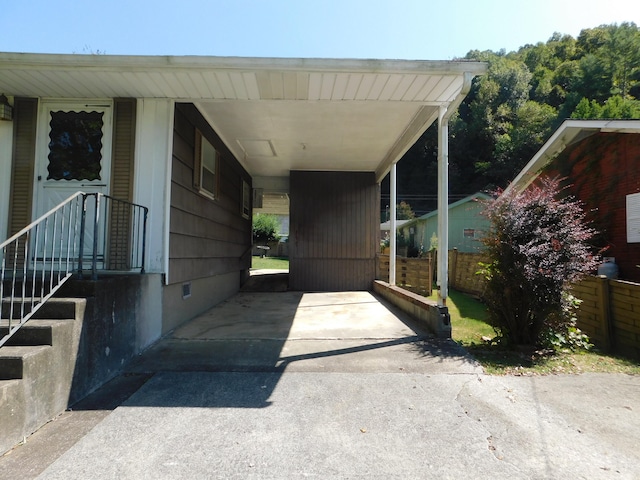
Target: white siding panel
{"type": "Point", "coordinates": [451, 91]}
{"type": "Point", "coordinates": [377, 87]}
{"type": "Point", "coordinates": [328, 81]}
{"type": "Point", "coordinates": [441, 88]}
{"type": "Point", "coordinates": [264, 85]}
{"type": "Point", "coordinates": [20, 82]}
{"type": "Point", "coordinates": [424, 92]}
{"type": "Point", "coordinates": [103, 83]}
{"type": "Point", "coordinates": [315, 84]}
{"type": "Point", "coordinates": [391, 86]}
{"type": "Point", "coordinates": [414, 89]}
{"type": "Point", "coordinates": [225, 84]}
{"type": "Point", "coordinates": [161, 80]}
{"type": "Point", "coordinates": [303, 86]}
{"type": "Point", "coordinates": [277, 85]}
{"type": "Point", "coordinates": [58, 88]}
{"type": "Point", "coordinates": [290, 85]}
{"type": "Point", "coordinates": [365, 86]}
{"type": "Point", "coordinates": [352, 86]}
{"type": "Point", "coordinates": [127, 81]}
{"type": "Point", "coordinates": [188, 88]}
{"type": "Point", "coordinates": [340, 86]}
{"type": "Point", "coordinates": [213, 84]}
{"type": "Point", "coordinates": [201, 85]}
{"type": "Point", "coordinates": [148, 81]}
{"type": "Point", "coordinates": [401, 90]}
{"type": "Point", "coordinates": [251, 86]}
{"type": "Point", "coordinates": [238, 85]}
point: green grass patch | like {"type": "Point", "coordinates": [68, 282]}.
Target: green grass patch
{"type": "Point", "coordinates": [469, 326]}
{"type": "Point", "coordinates": [270, 263]}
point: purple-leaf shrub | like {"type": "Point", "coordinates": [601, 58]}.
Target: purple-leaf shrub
{"type": "Point", "coordinates": [537, 245]}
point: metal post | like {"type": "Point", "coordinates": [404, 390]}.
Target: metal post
{"type": "Point", "coordinates": [443, 206]}
{"type": "Point", "coordinates": [392, 227]}
{"type": "Point", "coordinates": [82, 225]}
{"type": "Point", "coordinates": [94, 270]}
{"type": "Point", "coordinates": [144, 236]}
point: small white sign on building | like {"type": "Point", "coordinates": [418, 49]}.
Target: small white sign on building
{"type": "Point", "coordinates": [633, 218]}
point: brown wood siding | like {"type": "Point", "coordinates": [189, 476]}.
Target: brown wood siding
{"type": "Point", "coordinates": [334, 230]}
{"type": "Point", "coordinates": [23, 160]}
{"type": "Point", "coordinates": [122, 166]}
{"type": "Point", "coordinates": [207, 237]}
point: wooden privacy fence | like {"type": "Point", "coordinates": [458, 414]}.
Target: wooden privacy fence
{"type": "Point", "coordinates": [414, 273]}
{"type": "Point", "coordinates": [463, 272]}
{"type": "Point", "coordinates": [419, 273]}
{"type": "Point", "coordinates": [610, 314]}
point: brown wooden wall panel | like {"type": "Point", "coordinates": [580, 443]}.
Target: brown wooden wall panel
{"type": "Point", "coordinates": [207, 237]}
{"type": "Point", "coordinates": [197, 247]}
{"type": "Point", "coordinates": [23, 159]}
{"type": "Point", "coordinates": [184, 270]}
{"type": "Point", "coordinates": [316, 274]}
{"type": "Point", "coordinates": [189, 224]}
{"type": "Point", "coordinates": [333, 237]}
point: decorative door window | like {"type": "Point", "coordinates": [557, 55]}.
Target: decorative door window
{"type": "Point", "coordinates": [75, 146]}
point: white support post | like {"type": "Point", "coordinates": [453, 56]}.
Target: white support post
{"type": "Point", "coordinates": [392, 227]}
{"type": "Point", "coordinates": [443, 206]}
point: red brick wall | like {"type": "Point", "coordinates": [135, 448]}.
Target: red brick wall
{"type": "Point", "coordinates": [602, 170]}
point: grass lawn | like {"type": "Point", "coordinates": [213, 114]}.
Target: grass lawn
{"type": "Point", "coordinates": [269, 263]}
{"type": "Point", "coordinates": [468, 321]}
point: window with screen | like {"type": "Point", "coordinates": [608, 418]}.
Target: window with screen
{"type": "Point", "coordinates": [206, 168]}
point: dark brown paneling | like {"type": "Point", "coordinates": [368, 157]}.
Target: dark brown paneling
{"type": "Point", "coordinates": [23, 160]}
{"type": "Point", "coordinates": [207, 237]}
{"type": "Point", "coordinates": [334, 230]}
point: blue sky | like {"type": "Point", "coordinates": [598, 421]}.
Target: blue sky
{"type": "Point", "coordinates": [403, 29]}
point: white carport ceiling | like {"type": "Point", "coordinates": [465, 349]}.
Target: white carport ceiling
{"type": "Point", "coordinates": [275, 115]}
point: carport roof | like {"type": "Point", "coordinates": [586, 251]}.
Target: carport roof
{"type": "Point", "coordinates": [274, 114]}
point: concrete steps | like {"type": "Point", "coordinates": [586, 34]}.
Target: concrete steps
{"type": "Point", "coordinates": [37, 367]}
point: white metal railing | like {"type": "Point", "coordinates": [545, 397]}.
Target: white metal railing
{"type": "Point", "coordinates": [107, 234]}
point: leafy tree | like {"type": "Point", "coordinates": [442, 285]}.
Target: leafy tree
{"type": "Point", "coordinates": [265, 228]}
{"type": "Point", "coordinates": [404, 212]}
{"type": "Point", "coordinates": [614, 107]}
{"type": "Point", "coordinates": [525, 95]}
{"type": "Point", "coordinates": [537, 245]}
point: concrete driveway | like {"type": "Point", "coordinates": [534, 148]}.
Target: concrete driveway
{"type": "Point", "coordinates": [332, 385]}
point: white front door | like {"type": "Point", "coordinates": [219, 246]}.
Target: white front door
{"type": "Point", "coordinates": [73, 154]}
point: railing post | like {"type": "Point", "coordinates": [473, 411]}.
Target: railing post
{"type": "Point", "coordinates": [94, 253]}
{"type": "Point", "coordinates": [144, 237]}
{"type": "Point", "coordinates": [82, 225]}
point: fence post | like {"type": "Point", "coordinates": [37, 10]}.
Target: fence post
{"type": "Point", "coordinates": [453, 267]}
{"type": "Point", "coordinates": [604, 301]}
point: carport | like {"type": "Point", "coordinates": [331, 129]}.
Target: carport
{"type": "Point", "coordinates": [319, 135]}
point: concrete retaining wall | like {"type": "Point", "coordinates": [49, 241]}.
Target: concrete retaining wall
{"type": "Point", "coordinates": [426, 312]}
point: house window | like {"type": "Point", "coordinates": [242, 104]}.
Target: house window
{"type": "Point", "coordinates": [633, 218]}
{"type": "Point", "coordinates": [246, 199]}
{"type": "Point", "coordinates": [75, 146]}
{"type": "Point", "coordinates": [206, 168]}
{"type": "Point", "coordinates": [469, 233]}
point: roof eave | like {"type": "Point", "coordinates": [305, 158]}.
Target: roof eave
{"type": "Point", "coordinates": [563, 137]}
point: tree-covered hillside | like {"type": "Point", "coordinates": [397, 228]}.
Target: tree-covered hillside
{"type": "Point", "coordinates": [516, 106]}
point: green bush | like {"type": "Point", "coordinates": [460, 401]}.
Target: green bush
{"type": "Point", "coordinates": [265, 228]}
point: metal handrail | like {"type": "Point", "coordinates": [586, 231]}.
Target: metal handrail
{"type": "Point", "coordinates": [40, 258]}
